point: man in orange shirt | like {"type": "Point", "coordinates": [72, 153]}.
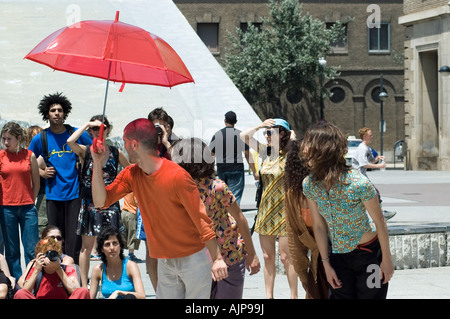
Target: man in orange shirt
{"type": "Point", "coordinates": [175, 220]}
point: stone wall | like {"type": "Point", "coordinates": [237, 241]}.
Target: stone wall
{"type": "Point", "coordinates": [420, 246]}
{"type": "Point", "coordinates": [416, 246]}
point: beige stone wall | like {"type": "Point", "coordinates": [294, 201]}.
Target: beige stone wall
{"type": "Point", "coordinates": [411, 6]}
{"type": "Point", "coordinates": [427, 49]}
{"type": "Point", "coordinates": [360, 70]}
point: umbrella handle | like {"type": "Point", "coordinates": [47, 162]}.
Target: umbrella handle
{"type": "Point", "coordinates": [99, 139]}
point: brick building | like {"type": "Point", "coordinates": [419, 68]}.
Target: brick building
{"type": "Point", "coordinates": [367, 53]}
{"type": "Point", "coordinates": [427, 91]}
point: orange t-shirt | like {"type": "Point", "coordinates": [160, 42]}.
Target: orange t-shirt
{"type": "Point", "coordinates": [129, 203]}
{"type": "Point", "coordinates": [174, 216]}
{"type": "Point", "coordinates": [15, 178]}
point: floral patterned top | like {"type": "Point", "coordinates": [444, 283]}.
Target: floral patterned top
{"type": "Point", "coordinates": [343, 208]}
{"type": "Point", "coordinates": [217, 197]}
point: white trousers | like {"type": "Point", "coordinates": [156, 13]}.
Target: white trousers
{"type": "Point", "coordinates": [185, 278]}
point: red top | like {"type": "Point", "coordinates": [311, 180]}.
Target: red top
{"type": "Point", "coordinates": [174, 216]}
{"type": "Point", "coordinates": [15, 178]}
{"type": "Point", "coordinates": [51, 286]}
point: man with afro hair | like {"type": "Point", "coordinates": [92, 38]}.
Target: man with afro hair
{"type": "Point", "coordinates": [58, 165]}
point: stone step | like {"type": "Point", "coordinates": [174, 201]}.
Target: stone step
{"type": "Point", "coordinates": [413, 246]}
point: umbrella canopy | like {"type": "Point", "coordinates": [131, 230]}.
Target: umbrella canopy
{"type": "Point", "coordinates": [112, 50]}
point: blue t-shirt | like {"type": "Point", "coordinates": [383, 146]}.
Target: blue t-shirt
{"type": "Point", "coordinates": [64, 186]}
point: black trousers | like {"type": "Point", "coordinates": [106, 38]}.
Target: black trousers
{"type": "Point", "coordinates": [64, 215]}
{"type": "Point", "coordinates": [359, 272]}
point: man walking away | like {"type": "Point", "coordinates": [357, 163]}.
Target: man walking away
{"type": "Point", "coordinates": [228, 147]}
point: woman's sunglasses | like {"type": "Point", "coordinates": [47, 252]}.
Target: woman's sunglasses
{"type": "Point", "coordinates": [96, 128]}
{"type": "Point", "coordinates": [269, 132]}
{"type": "Point", "coordinates": [58, 238]}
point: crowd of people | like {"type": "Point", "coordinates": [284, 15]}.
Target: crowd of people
{"type": "Point", "coordinates": [181, 196]}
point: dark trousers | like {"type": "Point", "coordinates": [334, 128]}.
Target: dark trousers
{"type": "Point", "coordinates": [64, 215]}
{"type": "Point", "coordinates": [358, 271]}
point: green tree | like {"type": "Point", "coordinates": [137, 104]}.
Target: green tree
{"type": "Point", "coordinates": [282, 56]}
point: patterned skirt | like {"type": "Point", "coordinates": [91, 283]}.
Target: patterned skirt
{"type": "Point", "coordinates": [91, 220]}
{"type": "Point", "coordinates": [271, 219]}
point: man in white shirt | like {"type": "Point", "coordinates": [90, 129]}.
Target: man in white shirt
{"type": "Point", "coordinates": [364, 159]}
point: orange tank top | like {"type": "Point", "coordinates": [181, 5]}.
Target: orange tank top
{"type": "Point", "coordinates": [306, 214]}
{"type": "Point", "coordinates": [15, 178]}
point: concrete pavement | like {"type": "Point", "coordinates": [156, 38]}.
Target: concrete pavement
{"type": "Point", "coordinates": [418, 197]}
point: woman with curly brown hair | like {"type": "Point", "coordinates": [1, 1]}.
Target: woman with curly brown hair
{"type": "Point", "coordinates": [270, 221]}
{"type": "Point", "coordinates": [360, 264]}
{"type": "Point", "coordinates": [302, 245]}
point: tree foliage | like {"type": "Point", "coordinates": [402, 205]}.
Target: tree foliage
{"type": "Point", "coordinates": [283, 54]}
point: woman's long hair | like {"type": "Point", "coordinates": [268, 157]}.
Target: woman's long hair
{"type": "Point", "coordinates": [294, 173]}
{"type": "Point", "coordinates": [296, 169]}
{"type": "Point", "coordinates": [324, 147]}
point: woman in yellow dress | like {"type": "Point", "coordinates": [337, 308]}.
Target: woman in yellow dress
{"type": "Point", "coordinates": [270, 221]}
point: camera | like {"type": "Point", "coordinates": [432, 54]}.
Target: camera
{"type": "Point", "coordinates": [52, 255]}
{"type": "Point", "coordinates": [158, 129]}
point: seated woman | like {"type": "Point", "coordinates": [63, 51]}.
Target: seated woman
{"type": "Point", "coordinates": [118, 276]}
{"type": "Point", "coordinates": [47, 278]}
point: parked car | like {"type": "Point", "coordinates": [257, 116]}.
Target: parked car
{"type": "Point", "coordinates": [353, 143]}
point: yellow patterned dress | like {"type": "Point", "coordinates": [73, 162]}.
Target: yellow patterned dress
{"type": "Point", "coordinates": [271, 219]}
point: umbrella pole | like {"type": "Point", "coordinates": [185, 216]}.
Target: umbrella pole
{"type": "Point", "coordinates": [106, 93]}
{"type": "Point", "coordinates": [104, 103]}
{"type": "Point", "coordinates": [102, 127]}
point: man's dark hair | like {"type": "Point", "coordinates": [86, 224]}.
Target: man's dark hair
{"type": "Point", "coordinates": [158, 114]}
{"type": "Point", "coordinates": [52, 99]}
{"type": "Point", "coordinates": [171, 122]}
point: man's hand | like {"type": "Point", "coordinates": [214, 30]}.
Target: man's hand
{"type": "Point", "coordinates": [99, 153]}
{"type": "Point", "coordinates": [219, 270]}
{"type": "Point", "coordinates": [48, 172]}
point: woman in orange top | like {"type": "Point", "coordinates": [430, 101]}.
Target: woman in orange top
{"type": "Point", "coordinates": [19, 180]}
{"type": "Point", "coordinates": [302, 245]}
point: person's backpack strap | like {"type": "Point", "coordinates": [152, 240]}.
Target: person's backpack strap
{"type": "Point", "coordinates": [37, 284]}
{"type": "Point", "coordinates": [44, 145]}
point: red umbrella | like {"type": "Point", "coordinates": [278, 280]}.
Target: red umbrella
{"type": "Point", "coordinates": [112, 50]}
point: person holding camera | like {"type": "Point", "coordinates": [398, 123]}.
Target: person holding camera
{"type": "Point", "coordinates": [160, 119]}
{"type": "Point", "coordinates": [47, 278]}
